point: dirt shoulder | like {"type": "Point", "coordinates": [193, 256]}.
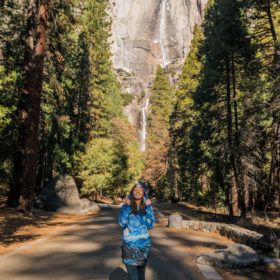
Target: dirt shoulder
{"type": "Point", "coordinates": [17, 229]}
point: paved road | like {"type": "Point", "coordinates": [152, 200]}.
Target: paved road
{"type": "Point", "coordinates": [91, 250]}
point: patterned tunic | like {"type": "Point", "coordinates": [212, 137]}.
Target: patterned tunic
{"type": "Point", "coordinates": [136, 241]}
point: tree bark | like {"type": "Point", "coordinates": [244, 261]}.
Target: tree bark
{"type": "Point", "coordinates": [237, 141]}
{"type": "Point", "coordinates": [233, 199]}
{"type": "Point", "coordinates": [29, 106]}
{"type": "Point", "coordinates": [241, 173]}
{"type": "Point", "coordinates": [274, 174]}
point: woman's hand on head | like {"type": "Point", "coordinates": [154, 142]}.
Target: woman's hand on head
{"type": "Point", "coordinates": [148, 202]}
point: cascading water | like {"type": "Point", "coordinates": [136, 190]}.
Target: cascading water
{"type": "Point", "coordinates": [164, 7]}
{"type": "Point", "coordinates": [164, 60]}
{"type": "Point", "coordinates": [143, 130]}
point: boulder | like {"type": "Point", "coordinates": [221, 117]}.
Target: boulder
{"type": "Point", "coordinates": [175, 221]}
{"type": "Point", "coordinates": [235, 256]}
{"type": "Point", "coordinates": [93, 207]}
{"type": "Point", "coordinates": [88, 206]}
{"type": "Point", "coordinates": [61, 194]}
{"type": "Point", "coordinates": [85, 203]}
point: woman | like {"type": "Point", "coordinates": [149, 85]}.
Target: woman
{"type": "Point", "coordinates": [136, 218]}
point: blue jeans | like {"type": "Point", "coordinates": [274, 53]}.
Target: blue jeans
{"type": "Point", "coordinates": [136, 272]}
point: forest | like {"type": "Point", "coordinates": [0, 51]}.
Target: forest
{"type": "Point", "coordinates": [213, 134]}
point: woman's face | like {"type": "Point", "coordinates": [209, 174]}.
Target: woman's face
{"type": "Point", "coordinates": [138, 193]}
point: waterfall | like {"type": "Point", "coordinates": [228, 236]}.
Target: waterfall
{"type": "Point", "coordinates": [164, 7]}
{"type": "Point", "coordinates": [143, 131]}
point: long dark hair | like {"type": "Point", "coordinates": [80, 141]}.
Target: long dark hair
{"type": "Point", "coordinates": [142, 208]}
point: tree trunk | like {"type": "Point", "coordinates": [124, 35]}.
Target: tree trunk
{"type": "Point", "coordinates": [29, 106]}
{"type": "Point", "coordinates": [233, 197]}
{"type": "Point", "coordinates": [244, 193]}
{"type": "Point", "coordinates": [233, 201]}
{"type": "Point", "coordinates": [274, 174]}
{"type": "Point", "coordinates": [42, 161]}
{"type": "Point", "coordinates": [237, 142]}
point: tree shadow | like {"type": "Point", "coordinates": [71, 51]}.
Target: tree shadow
{"type": "Point", "coordinates": [118, 274]}
{"type": "Point", "coordinates": [12, 221]}
{"type": "Point", "coordinates": [93, 251]}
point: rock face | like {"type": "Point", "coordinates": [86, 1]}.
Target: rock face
{"type": "Point", "coordinates": [146, 34]}
{"type": "Point", "coordinates": [62, 195]}
{"type": "Point", "coordinates": [234, 256]}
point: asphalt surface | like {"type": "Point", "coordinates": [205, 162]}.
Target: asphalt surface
{"type": "Point", "coordinates": [92, 250]}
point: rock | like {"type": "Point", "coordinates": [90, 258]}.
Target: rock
{"type": "Point", "coordinates": [85, 203]}
{"type": "Point", "coordinates": [93, 207]}
{"type": "Point", "coordinates": [272, 262]}
{"type": "Point", "coordinates": [235, 233]}
{"type": "Point", "coordinates": [61, 194]}
{"type": "Point", "coordinates": [175, 221]}
{"type": "Point", "coordinates": [88, 206]}
{"type": "Point", "coordinates": [159, 215]}
{"type": "Point", "coordinates": [235, 256]}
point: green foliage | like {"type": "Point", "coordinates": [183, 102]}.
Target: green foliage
{"type": "Point", "coordinates": [113, 146]}
{"type": "Point", "coordinates": [128, 156]}
{"type": "Point", "coordinates": [184, 118]}
{"type": "Point", "coordinates": [107, 100]}
{"type": "Point", "coordinates": [12, 27]}
{"type": "Point", "coordinates": [7, 133]}
{"type": "Point", "coordinates": [7, 98]}
{"type": "Point", "coordinates": [127, 98]}
{"type": "Point", "coordinates": [82, 94]}
{"type": "Point", "coordinates": [161, 99]}
{"type": "Point", "coordinates": [207, 126]}
{"type": "Point", "coordinates": [110, 165]}
{"type": "Point", "coordinates": [220, 123]}
{"type": "Point", "coordinates": [96, 166]}
{"type": "Point", "coordinates": [81, 97]}
{"type": "Point", "coordinates": [221, 117]}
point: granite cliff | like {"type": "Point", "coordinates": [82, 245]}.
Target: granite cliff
{"type": "Point", "coordinates": [145, 34]}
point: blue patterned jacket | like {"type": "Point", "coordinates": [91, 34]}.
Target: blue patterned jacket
{"type": "Point", "coordinates": [136, 239]}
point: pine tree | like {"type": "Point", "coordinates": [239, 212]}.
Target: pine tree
{"type": "Point", "coordinates": [182, 155]}
{"type": "Point", "coordinates": [105, 94]}
{"type": "Point", "coordinates": [161, 102]}
{"type": "Point", "coordinates": [227, 49]}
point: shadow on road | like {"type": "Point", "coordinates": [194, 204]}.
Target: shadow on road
{"type": "Point", "coordinates": [93, 251]}
{"type": "Point", "coordinates": [118, 274]}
